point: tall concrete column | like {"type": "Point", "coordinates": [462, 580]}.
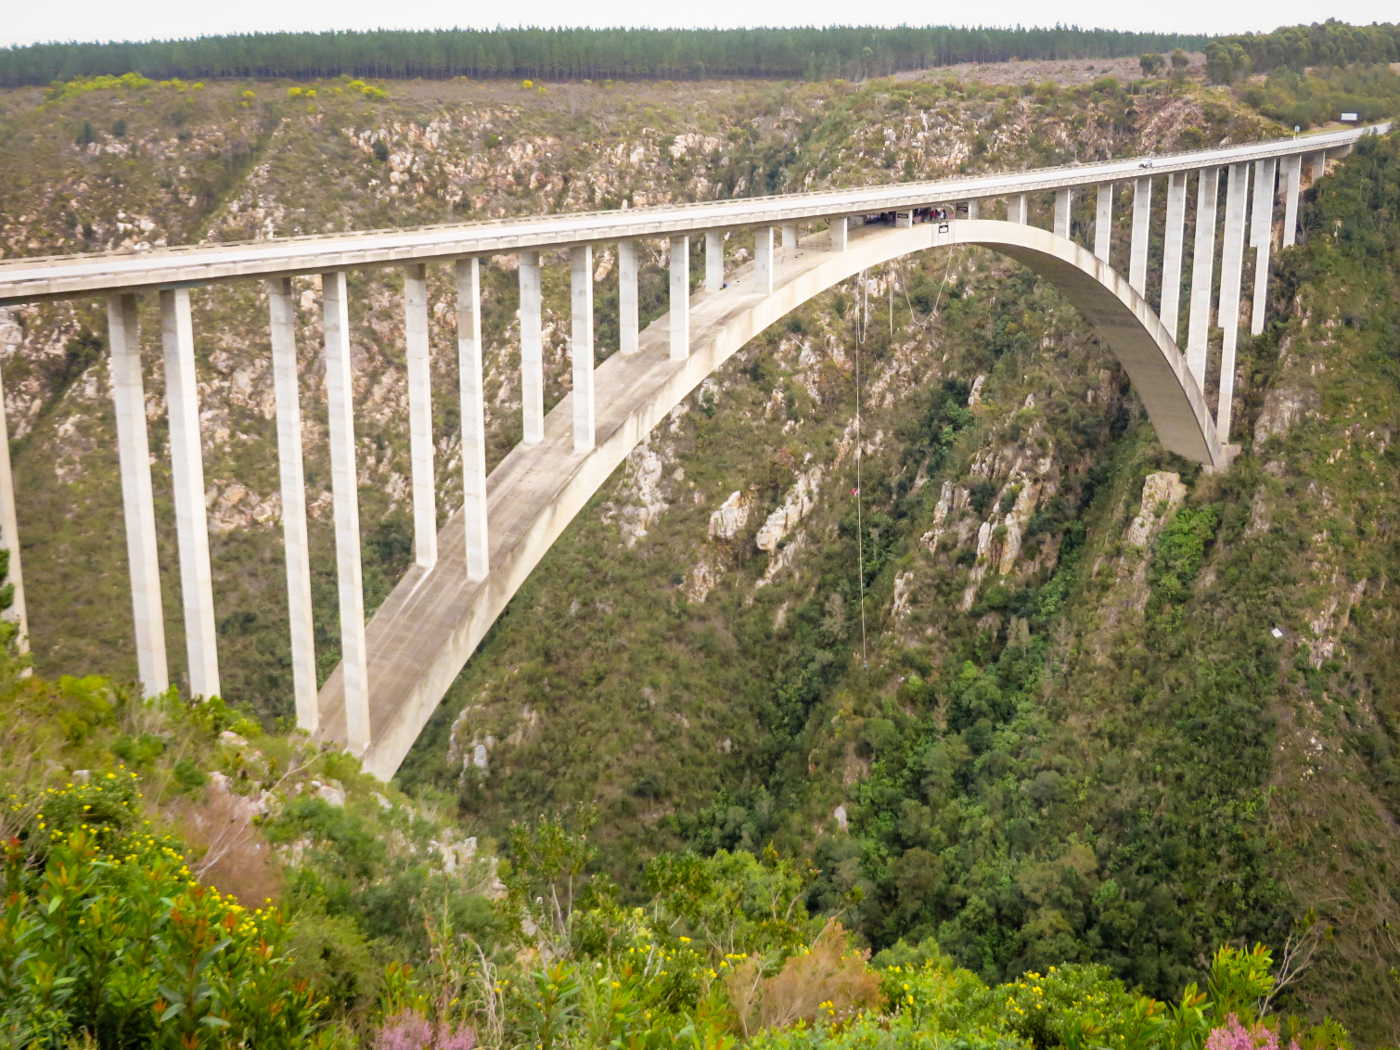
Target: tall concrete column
{"type": "Point", "coordinates": [581, 345]}
{"type": "Point", "coordinates": [974, 209]}
{"type": "Point", "coordinates": [763, 260]}
{"type": "Point", "coordinates": [839, 231]}
{"type": "Point", "coordinates": [1263, 224]}
{"type": "Point", "coordinates": [420, 414]}
{"type": "Point", "coordinates": [340, 391]}
{"type": "Point", "coordinates": [1231, 271]}
{"type": "Point", "coordinates": [473, 411]}
{"type": "Point", "coordinates": [1202, 273]}
{"type": "Point", "coordinates": [138, 504]}
{"type": "Point", "coordinates": [789, 235]}
{"type": "Point", "coordinates": [1064, 206]}
{"type": "Point", "coordinates": [1103, 222]}
{"type": "Point", "coordinates": [9, 536]}
{"type": "Point", "coordinates": [1292, 178]}
{"type": "Point", "coordinates": [1142, 217]}
{"type": "Point", "coordinates": [1317, 166]}
{"type": "Point", "coordinates": [531, 349]}
{"type": "Point", "coordinates": [1017, 209]}
{"type": "Point", "coordinates": [187, 469]}
{"type": "Point", "coordinates": [680, 298]}
{"type": "Point", "coordinates": [298, 550]}
{"type": "Point", "coordinates": [714, 260]}
{"type": "Point", "coordinates": [628, 328]}
{"type": "Point", "coordinates": [1172, 249]}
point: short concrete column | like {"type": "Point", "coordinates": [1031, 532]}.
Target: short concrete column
{"type": "Point", "coordinates": [974, 209]}
{"type": "Point", "coordinates": [1265, 172]}
{"type": "Point", "coordinates": [531, 349]}
{"type": "Point", "coordinates": [581, 345]}
{"type": "Point", "coordinates": [789, 235]}
{"type": "Point", "coordinates": [9, 536]}
{"type": "Point", "coordinates": [629, 332]}
{"type": "Point", "coordinates": [714, 260]}
{"type": "Point", "coordinates": [1292, 178]}
{"type": "Point", "coordinates": [187, 469]}
{"type": "Point", "coordinates": [138, 505]}
{"type": "Point", "coordinates": [473, 412]}
{"type": "Point", "coordinates": [294, 541]}
{"type": "Point", "coordinates": [1172, 251]}
{"type": "Point", "coordinates": [1103, 222]}
{"type": "Point", "coordinates": [1064, 206]}
{"type": "Point", "coordinates": [1017, 209]}
{"type": "Point", "coordinates": [340, 390]}
{"type": "Point", "coordinates": [420, 414]}
{"type": "Point", "coordinates": [1231, 271]}
{"type": "Point", "coordinates": [763, 260]}
{"type": "Point", "coordinates": [1202, 273]}
{"type": "Point", "coordinates": [1142, 218]}
{"type": "Point", "coordinates": [839, 231]}
{"type": "Point", "coordinates": [680, 298]}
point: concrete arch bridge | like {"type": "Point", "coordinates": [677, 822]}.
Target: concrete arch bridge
{"type": "Point", "coordinates": [396, 668]}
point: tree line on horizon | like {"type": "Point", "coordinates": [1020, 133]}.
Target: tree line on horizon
{"type": "Point", "coordinates": [571, 54]}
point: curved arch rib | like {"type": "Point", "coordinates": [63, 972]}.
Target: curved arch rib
{"type": "Point", "coordinates": [423, 634]}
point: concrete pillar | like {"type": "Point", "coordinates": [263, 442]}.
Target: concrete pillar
{"type": "Point", "coordinates": [1142, 217]}
{"type": "Point", "coordinates": [1064, 205]}
{"type": "Point", "coordinates": [138, 505]}
{"type": "Point", "coordinates": [1202, 273]}
{"type": "Point", "coordinates": [473, 412]}
{"type": "Point", "coordinates": [974, 209]}
{"type": "Point", "coordinates": [628, 329]}
{"type": "Point", "coordinates": [187, 469]}
{"type": "Point", "coordinates": [531, 349]}
{"type": "Point", "coordinates": [581, 345]}
{"type": "Point", "coordinates": [297, 549]}
{"type": "Point", "coordinates": [354, 659]}
{"type": "Point", "coordinates": [1171, 252]}
{"type": "Point", "coordinates": [1317, 166]}
{"type": "Point", "coordinates": [1292, 178]}
{"type": "Point", "coordinates": [763, 260]}
{"type": "Point", "coordinates": [680, 298]}
{"type": "Point", "coordinates": [1103, 222]}
{"type": "Point", "coordinates": [1017, 209]}
{"type": "Point", "coordinates": [1265, 171]}
{"type": "Point", "coordinates": [1231, 267]}
{"type": "Point", "coordinates": [9, 537]}
{"type": "Point", "coordinates": [714, 260]}
{"type": "Point", "coordinates": [839, 231]}
{"type": "Point", "coordinates": [789, 235]}
{"type": "Point", "coordinates": [420, 414]}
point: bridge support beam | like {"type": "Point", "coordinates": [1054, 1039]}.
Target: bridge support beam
{"type": "Point", "coordinates": [1202, 274]}
{"type": "Point", "coordinates": [1172, 251]}
{"type": "Point", "coordinates": [839, 232]}
{"type": "Point", "coordinates": [294, 540]}
{"type": "Point", "coordinates": [1142, 217]}
{"type": "Point", "coordinates": [1317, 166]}
{"type": "Point", "coordinates": [1263, 235]}
{"type": "Point", "coordinates": [17, 613]}
{"type": "Point", "coordinates": [187, 468]}
{"type": "Point", "coordinates": [531, 348]}
{"type": "Point", "coordinates": [472, 395]}
{"type": "Point", "coordinates": [420, 414]}
{"type": "Point", "coordinates": [581, 345]}
{"type": "Point", "coordinates": [714, 260]}
{"type": "Point", "coordinates": [1231, 273]}
{"type": "Point", "coordinates": [1064, 206]}
{"type": "Point", "coordinates": [974, 209]}
{"type": "Point", "coordinates": [628, 329]}
{"type": "Point", "coordinates": [138, 505]}
{"type": "Point", "coordinates": [789, 235]}
{"type": "Point", "coordinates": [1018, 209]}
{"type": "Point", "coordinates": [354, 659]}
{"type": "Point", "coordinates": [1103, 222]}
{"type": "Point", "coordinates": [680, 298]}
{"type": "Point", "coordinates": [1292, 178]}
{"type": "Point", "coordinates": [763, 260]}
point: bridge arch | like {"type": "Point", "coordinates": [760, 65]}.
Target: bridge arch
{"type": "Point", "coordinates": [421, 637]}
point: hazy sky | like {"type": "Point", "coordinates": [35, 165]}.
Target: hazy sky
{"type": "Point", "coordinates": [28, 21]}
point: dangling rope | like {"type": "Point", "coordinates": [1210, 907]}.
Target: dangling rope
{"type": "Point", "coordinates": [936, 302]}
{"type": "Point", "coordinates": [860, 495]}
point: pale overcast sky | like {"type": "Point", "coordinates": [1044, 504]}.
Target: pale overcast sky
{"type": "Point", "coordinates": [28, 21]}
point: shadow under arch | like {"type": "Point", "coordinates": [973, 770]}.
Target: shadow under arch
{"type": "Point", "coordinates": [419, 640]}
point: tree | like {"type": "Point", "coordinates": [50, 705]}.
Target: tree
{"type": "Point", "coordinates": [1152, 63]}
